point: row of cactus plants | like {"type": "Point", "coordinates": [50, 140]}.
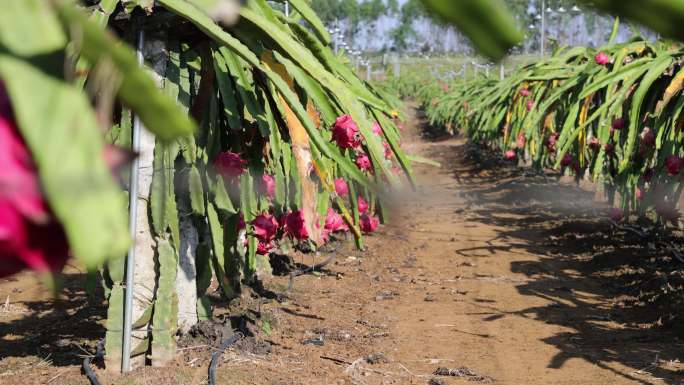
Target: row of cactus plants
{"type": "Point", "coordinates": [291, 148]}
{"type": "Point", "coordinates": [611, 114]}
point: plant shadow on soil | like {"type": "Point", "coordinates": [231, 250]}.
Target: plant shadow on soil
{"type": "Point", "coordinates": [54, 329]}
{"type": "Point", "coordinates": [622, 298]}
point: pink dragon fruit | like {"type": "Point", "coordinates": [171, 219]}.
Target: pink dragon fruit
{"type": "Point", "coordinates": [230, 164]}
{"type": "Point", "coordinates": [567, 160]}
{"type": "Point", "coordinates": [268, 186]}
{"type": "Point", "coordinates": [295, 225]}
{"type": "Point", "coordinates": [524, 92]}
{"type": "Point", "coordinates": [639, 193]}
{"type": "Point", "coordinates": [346, 132]}
{"type": "Point", "coordinates": [265, 227]}
{"type": "Point", "coordinates": [363, 205]}
{"type": "Point", "coordinates": [551, 142]}
{"type": "Point", "coordinates": [673, 164]}
{"type": "Point", "coordinates": [377, 130]}
{"type": "Point", "coordinates": [618, 124]}
{"type": "Point", "coordinates": [530, 105]}
{"type": "Point", "coordinates": [647, 137]}
{"type": "Point", "coordinates": [510, 155]}
{"type": "Point", "coordinates": [368, 223]}
{"type": "Point", "coordinates": [609, 148]}
{"type": "Point", "coordinates": [30, 236]}
{"type": "Point", "coordinates": [264, 248]}
{"type": "Point", "coordinates": [334, 221]}
{"type": "Point", "coordinates": [341, 187]}
{"type": "Point", "coordinates": [363, 162]}
{"type": "Point", "coordinates": [521, 140]}
{"type": "Point", "coordinates": [602, 58]}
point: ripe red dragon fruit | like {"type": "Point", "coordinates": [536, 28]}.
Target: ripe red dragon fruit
{"type": "Point", "coordinates": [229, 164]}
{"type": "Point", "coordinates": [295, 225]}
{"type": "Point", "coordinates": [609, 148]}
{"type": "Point", "coordinates": [346, 132]}
{"type": "Point", "coordinates": [30, 236]}
{"type": "Point", "coordinates": [265, 227]}
{"type": "Point", "coordinates": [334, 221]}
{"type": "Point", "coordinates": [647, 137]}
{"type": "Point", "coordinates": [521, 140]}
{"type": "Point", "coordinates": [510, 155]}
{"type": "Point", "coordinates": [551, 142]}
{"type": "Point", "coordinates": [530, 105]}
{"type": "Point", "coordinates": [363, 162]}
{"type": "Point", "coordinates": [567, 160]}
{"type": "Point", "coordinates": [524, 92]}
{"type": "Point", "coordinates": [268, 185]}
{"type": "Point", "coordinates": [341, 187]}
{"type": "Point", "coordinates": [616, 214]}
{"type": "Point", "coordinates": [673, 164]}
{"type": "Point", "coordinates": [639, 193]}
{"type": "Point", "coordinates": [377, 130]}
{"type": "Point", "coordinates": [594, 143]}
{"type": "Point", "coordinates": [368, 223]}
{"type": "Point", "coordinates": [263, 248]}
{"type": "Point", "coordinates": [618, 124]}
{"type": "Point", "coordinates": [602, 58]}
{"type": "Point", "coordinates": [363, 205]}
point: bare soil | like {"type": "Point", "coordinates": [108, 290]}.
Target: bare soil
{"type": "Point", "coordinates": [489, 274]}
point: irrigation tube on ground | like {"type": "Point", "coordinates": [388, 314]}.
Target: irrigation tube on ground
{"type": "Point", "coordinates": [133, 208]}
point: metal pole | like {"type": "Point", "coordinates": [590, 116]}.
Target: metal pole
{"type": "Point", "coordinates": [502, 71]}
{"type": "Point", "coordinates": [543, 28]}
{"type": "Point", "coordinates": [133, 214]}
{"type": "Point", "coordinates": [287, 8]}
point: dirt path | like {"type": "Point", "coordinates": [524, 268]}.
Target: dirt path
{"type": "Point", "coordinates": [499, 276]}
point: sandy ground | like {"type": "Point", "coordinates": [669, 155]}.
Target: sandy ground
{"type": "Point", "coordinates": [493, 274]}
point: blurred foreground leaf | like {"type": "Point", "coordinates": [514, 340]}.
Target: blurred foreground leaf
{"type": "Point", "coordinates": [663, 16]}
{"type": "Point", "coordinates": [487, 23]}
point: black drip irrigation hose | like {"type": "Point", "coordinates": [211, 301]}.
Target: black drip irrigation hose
{"type": "Point", "coordinates": [307, 270]}
{"type": "Point", "coordinates": [644, 235]}
{"type": "Point", "coordinates": [217, 354]}
{"type": "Point", "coordinates": [87, 370]}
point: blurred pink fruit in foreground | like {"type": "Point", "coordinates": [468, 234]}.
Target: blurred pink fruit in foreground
{"type": "Point", "coordinates": [30, 237]}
